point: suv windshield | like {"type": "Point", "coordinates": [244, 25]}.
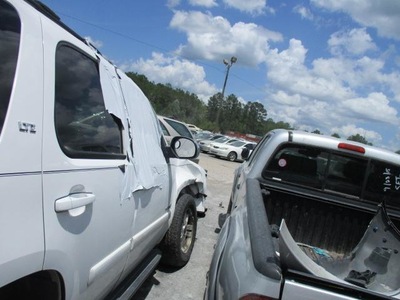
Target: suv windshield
{"type": "Point", "coordinates": [10, 30]}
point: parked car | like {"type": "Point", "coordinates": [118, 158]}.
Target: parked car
{"type": "Point", "coordinates": [193, 128]}
{"type": "Point", "coordinates": [310, 217]}
{"type": "Point", "coordinates": [203, 135]}
{"type": "Point", "coordinates": [172, 127]}
{"type": "Point", "coordinates": [205, 145]}
{"type": "Point", "coordinates": [90, 192]}
{"type": "Point", "coordinates": [231, 151]}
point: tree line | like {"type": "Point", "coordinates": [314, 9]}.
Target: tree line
{"type": "Point", "coordinates": [220, 114]}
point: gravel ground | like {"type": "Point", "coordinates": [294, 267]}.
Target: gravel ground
{"type": "Point", "coordinates": [189, 281]}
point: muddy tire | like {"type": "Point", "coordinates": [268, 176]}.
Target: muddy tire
{"type": "Point", "coordinates": [232, 156]}
{"type": "Point", "coordinates": [179, 240]}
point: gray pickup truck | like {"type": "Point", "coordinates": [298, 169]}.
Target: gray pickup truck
{"type": "Point", "coordinates": [310, 217]}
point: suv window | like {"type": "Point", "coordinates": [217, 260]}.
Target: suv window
{"type": "Point", "coordinates": [10, 30]}
{"type": "Point", "coordinates": [84, 127]}
{"type": "Point", "coordinates": [330, 171]}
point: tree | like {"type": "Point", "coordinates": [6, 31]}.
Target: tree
{"type": "Point", "coordinates": [254, 116]}
{"type": "Point", "coordinates": [270, 125]}
{"type": "Point", "coordinates": [336, 135]}
{"type": "Point", "coordinates": [231, 114]}
{"type": "Point", "coordinates": [169, 101]}
{"type": "Point", "coordinates": [219, 114]}
{"type": "Point", "coordinates": [359, 138]}
{"type": "Point", "coordinates": [316, 131]}
{"type": "Point", "coordinates": [214, 107]}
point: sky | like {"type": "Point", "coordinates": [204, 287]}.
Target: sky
{"type": "Point", "coordinates": [331, 65]}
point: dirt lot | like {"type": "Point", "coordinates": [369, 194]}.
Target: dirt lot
{"type": "Point", "coordinates": [189, 281]}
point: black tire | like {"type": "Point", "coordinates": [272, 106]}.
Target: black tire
{"type": "Point", "coordinates": [232, 156]}
{"type": "Point", "coordinates": [179, 240]}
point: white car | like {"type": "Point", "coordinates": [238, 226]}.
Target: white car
{"type": "Point", "coordinates": [231, 151]}
{"type": "Point", "coordinates": [172, 127]}
{"type": "Point", "coordinates": [90, 192]}
{"type": "Point", "coordinates": [194, 128]}
{"type": "Point", "coordinates": [205, 145]}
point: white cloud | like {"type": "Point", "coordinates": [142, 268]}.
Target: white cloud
{"type": "Point", "coordinates": [177, 72]}
{"type": "Point", "coordinates": [283, 98]}
{"type": "Point", "coordinates": [287, 71]}
{"type": "Point", "coordinates": [98, 44]}
{"type": "Point", "coordinates": [375, 107]}
{"type": "Point", "coordinates": [328, 91]}
{"type": "Point", "coordinates": [255, 7]}
{"type": "Point", "coordinates": [204, 3]}
{"type": "Point", "coordinates": [214, 38]}
{"type": "Point", "coordinates": [363, 74]}
{"type": "Point", "coordinates": [354, 42]}
{"type": "Point", "coordinates": [304, 12]}
{"type": "Point", "coordinates": [173, 3]}
{"type": "Point", "coordinates": [369, 13]}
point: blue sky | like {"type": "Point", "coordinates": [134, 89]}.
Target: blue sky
{"type": "Point", "coordinates": [331, 65]}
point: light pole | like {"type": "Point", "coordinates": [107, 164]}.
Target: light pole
{"type": "Point", "coordinates": [228, 66]}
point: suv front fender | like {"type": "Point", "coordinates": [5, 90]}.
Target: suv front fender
{"type": "Point", "coordinates": [188, 177]}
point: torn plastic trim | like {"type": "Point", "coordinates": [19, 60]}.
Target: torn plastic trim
{"type": "Point", "coordinates": [374, 263]}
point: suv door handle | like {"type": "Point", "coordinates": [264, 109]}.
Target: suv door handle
{"type": "Point", "coordinates": [73, 201]}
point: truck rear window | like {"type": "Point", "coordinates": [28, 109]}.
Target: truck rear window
{"type": "Point", "coordinates": [336, 172]}
{"type": "Point", "coordinates": [10, 30]}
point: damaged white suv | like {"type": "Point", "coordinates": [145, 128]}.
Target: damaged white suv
{"type": "Point", "coordinates": [89, 189]}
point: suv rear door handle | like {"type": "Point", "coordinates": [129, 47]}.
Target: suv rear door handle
{"type": "Point", "coordinates": [73, 201]}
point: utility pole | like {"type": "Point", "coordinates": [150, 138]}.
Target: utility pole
{"type": "Point", "coordinates": [228, 66]}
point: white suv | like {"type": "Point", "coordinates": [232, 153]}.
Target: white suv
{"type": "Point", "coordinates": [88, 187]}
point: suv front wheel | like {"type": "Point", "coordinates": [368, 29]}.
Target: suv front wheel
{"type": "Point", "coordinates": [179, 240]}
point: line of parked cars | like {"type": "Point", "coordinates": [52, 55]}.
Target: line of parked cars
{"type": "Point", "coordinates": [222, 146]}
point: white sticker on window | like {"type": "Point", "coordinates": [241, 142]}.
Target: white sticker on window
{"type": "Point", "coordinates": [282, 162]}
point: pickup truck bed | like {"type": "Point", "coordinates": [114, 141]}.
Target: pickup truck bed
{"type": "Point", "coordinates": [329, 240]}
{"type": "Point", "coordinates": [309, 220]}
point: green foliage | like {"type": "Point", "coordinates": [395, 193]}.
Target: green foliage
{"type": "Point", "coordinates": [171, 102]}
{"type": "Point", "coordinates": [218, 115]}
{"type": "Point", "coordinates": [316, 131]}
{"type": "Point", "coordinates": [359, 138]}
{"type": "Point", "coordinates": [336, 135]}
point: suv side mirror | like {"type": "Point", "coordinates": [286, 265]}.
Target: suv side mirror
{"type": "Point", "coordinates": [184, 147]}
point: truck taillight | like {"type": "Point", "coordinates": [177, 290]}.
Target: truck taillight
{"type": "Point", "coordinates": [351, 147]}
{"type": "Point", "coordinates": [256, 297]}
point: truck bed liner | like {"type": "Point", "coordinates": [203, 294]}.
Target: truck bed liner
{"type": "Point", "coordinates": [309, 221]}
